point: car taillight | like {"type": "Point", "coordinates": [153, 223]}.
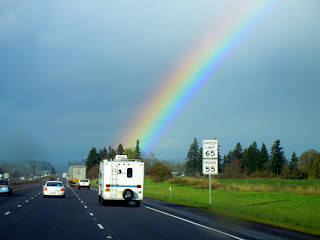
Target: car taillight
{"type": "Point", "coordinates": [138, 186]}
{"type": "Point", "coordinates": [45, 189]}
{"type": "Point", "coordinates": [8, 188]}
{"type": "Point", "coordinates": [62, 189]}
{"type": "Point", "coordinates": [107, 185]}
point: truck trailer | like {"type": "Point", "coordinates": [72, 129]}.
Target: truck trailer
{"type": "Point", "coordinates": [75, 173]}
{"type": "Point", "coordinates": [121, 179]}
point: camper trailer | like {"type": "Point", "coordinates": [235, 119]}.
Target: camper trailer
{"type": "Point", "coordinates": [121, 179]}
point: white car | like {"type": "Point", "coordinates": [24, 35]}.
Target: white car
{"type": "Point", "coordinates": [54, 188]}
{"type": "Point", "coordinates": [84, 183]}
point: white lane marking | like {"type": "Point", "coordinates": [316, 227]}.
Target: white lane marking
{"type": "Point", "coordinates": [194, 223]}
{"type": "Point", "coordinates": [19, 206]}
{"type": "Point", "coordinates": [7, 213]}
{"type": "Point", "coordinates": [100, 226]}
{"type": "Point", "coordinates": [109, 237]}
{"type": "Point", "coordinates": [85, 206]}
{"type": "Point", "coordinates": [81, 201]}
{"type": "Point", "coordinates": [91, 214]}
{"type": "Point", "coordinates": [27, 201]}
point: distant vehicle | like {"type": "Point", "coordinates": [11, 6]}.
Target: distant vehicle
{"type": "Point", "coordinates": [5, 187]}
{"type": "Point", "coordinates": [64, 175]}
{"type": "Point", "coordinates": [4, 175]}
{"type": "Point", "coordinates": [84, 183]}
{"type": "Point", "coordinates": [54, 188]}
{"type": "Point", "coordinates": [75, 173]}
{"type": "Point", "coordinates": [121, 179]}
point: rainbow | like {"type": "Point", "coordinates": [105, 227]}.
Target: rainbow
{"type": "Point", "coordinates": [191, 73]}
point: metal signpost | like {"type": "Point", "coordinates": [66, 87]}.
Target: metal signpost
{"type": "Point", "coordinates": [210, 160]}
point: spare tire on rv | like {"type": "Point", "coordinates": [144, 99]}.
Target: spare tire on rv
{"type": "Point", "coordinates": [127, 194]}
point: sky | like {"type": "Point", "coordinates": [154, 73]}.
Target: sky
{"type": "Point", "coordinates": [79, 74]}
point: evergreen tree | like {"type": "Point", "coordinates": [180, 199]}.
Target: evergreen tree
{"type": "Point", "coordinates": [251, 158]}
{"type": "Point", "coordinates": [192, 165]}
{"type": "Point", "coordinates": [277, 158]}
{"type": "Point", "coordinates": [92, 158]}
{"type": "Point", "coordinates": [226, 159]}
{"type": "Point", "coordinates": [103, 154]}
{"type": "Point", "coordinates": [219, 160]}
{"type": "Point", "coordinates": [120, 150]}
{"type": "Point", "coordinates": [53, 171]}
{"type": "Point", "coordinates": [263, 158]}
{"type": "Point", "coordinates": [111, 153]}
{"type": "Point", "coordinates": [237, 151]}
{"type": "Point", "coordinates": [137, 151]}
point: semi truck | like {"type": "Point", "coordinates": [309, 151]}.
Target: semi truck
{"type": "Point", "coordinates": [121, 179]}
{"type": "Point", "coordinates": [75, 173]}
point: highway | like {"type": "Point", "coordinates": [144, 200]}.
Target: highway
{"type": "Point", "coordinates": [27, 215]}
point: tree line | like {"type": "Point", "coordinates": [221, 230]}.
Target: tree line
{"type": "Point", "coordinates": [94, 156]}
{"type": "Point", "coordinates": [257, 162]}
{"type": "Point", "coordinates": [26, 168]}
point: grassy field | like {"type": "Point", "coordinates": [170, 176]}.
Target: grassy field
{"type": "Point", "coordinates": [273, 202]}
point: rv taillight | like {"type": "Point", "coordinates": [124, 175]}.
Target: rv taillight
{"type": "Point", "coordinates": [107, 185]}
{"type": "Point", "coordinates": [138, 186]}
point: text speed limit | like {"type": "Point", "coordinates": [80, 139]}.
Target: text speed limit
{"type": "Point", "coordinates": [209, 166]}
{"type": "Point", "coordinates": [210, 148]}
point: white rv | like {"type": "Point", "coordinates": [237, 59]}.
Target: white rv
{"type": "Point", "coordinates": [121, 179]}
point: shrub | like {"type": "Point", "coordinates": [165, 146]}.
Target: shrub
{"type": "Point", "coordinates": [160, 172]}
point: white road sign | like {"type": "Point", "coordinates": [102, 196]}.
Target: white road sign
{"type": "Point", "coordinates": [210, 148]}
{"type": "Point", "coordinates": [209, 166]}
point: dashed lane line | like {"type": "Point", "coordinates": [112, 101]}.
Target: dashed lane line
{"type": "Point", "coordinates": [100, 226]}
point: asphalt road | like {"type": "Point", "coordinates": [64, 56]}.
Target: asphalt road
{"type": "Point", "coordinates": [27, 215]}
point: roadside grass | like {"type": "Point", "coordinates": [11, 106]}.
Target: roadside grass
{"type": "Point", "coordinates": [258, 185]}
{"type": "Point", "coordinates": [270, 205]}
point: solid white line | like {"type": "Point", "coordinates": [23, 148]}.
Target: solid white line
{"type": "Point", "coordinates": [100, 226]}
{"type": "Point", "coordinates": [194, 223]}
{"type": "Point", "coordinates": [7, 213]}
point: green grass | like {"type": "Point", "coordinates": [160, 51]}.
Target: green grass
{"type": "Point", "coordinates": [258, 185]}
{"type": "Point", "coordinates": [296, 211]}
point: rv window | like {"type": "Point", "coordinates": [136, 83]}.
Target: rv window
{"type": "Point", "coordinates": [129, 172]}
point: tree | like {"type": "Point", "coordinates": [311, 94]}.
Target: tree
{"type": "Point", "coordinates": [120, 150]}
{"type": "Point", "coordinates": [263, 158]}
{"type": "Point", "coordinates": [53, 171]}
{"type": "Point", "coordinates": [192, 160]}
{"type": "Point", "coordinates": [294, 166]}
{"type": "Point", "coordinates": [148, 162]}
{"type": "Point", "coordinates": [130, 153]}
{"type": "Point", "coordinates": [137, 150]}
{"type": "Point", "coordinates": [103, 154]}
{"type": "Point", "coordinates": [237, 151]}
{"type": "Point", "coordinates": [92, 158]}
{"type": "Point", "coordinates": [251, 157]}
{"type": "Point", "coordinates": [226, 159]}
{"type": "Point", "coordinates": [309, 164]}
{"type": "Point", "coordinates": [111, 153]}
{"type": "Point", "coordinates": [160, 172]}
{"type": "Point", "coordinates": [277, 158]}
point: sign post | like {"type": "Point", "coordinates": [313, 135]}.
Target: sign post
{"type": "Point", "coordinates": [210, 160]}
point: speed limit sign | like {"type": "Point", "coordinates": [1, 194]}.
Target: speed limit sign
{"type": "Point", "coordinates": [210, 148]}
{"type": "Point", "coordinates": [209, 166]}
